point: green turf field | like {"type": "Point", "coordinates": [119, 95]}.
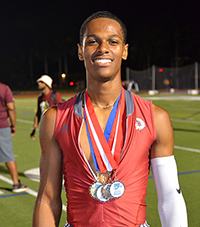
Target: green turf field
{"type": "Point", "coordinates": [16, 209]}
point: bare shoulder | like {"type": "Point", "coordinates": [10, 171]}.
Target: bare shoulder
{"type": "Point", "coordinates": [163, 145]}
{"type": "Point", "coordinates": [49, 116]}
{"type": "Point", "coordinates": [161, 118]}
{"type": "Point", "coordinates": [50, 113]}
{"type": "Point", "coordinates": [159, 113]}
{"type": "Point", "coordinates": [47, 126]}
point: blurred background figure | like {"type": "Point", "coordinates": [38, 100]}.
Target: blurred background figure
{"type": "Point", "coordinates": [46, 99]}
{"type": "Point", "coordinates": [7, 110]}
{"type": "Point", "coordinates": [130, 85]}
{"type": "Point", "coordinates": [133, 86]}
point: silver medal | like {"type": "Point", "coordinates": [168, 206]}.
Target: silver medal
{"type": "Point", "coordinates": [117, 189]}
{"type": "Point", "coordinates": [100, 196]}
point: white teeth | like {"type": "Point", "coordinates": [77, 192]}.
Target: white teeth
{"type": "Point", "coordinates": [103, 60]}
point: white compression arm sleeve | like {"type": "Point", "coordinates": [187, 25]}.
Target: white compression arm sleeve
{"type": "Point", "coordinates": [171, 204]}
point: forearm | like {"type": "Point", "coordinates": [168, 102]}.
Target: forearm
{"type": "Point", "coordinates": [171, 204]}
{"type": "Point", "coordinates": [35, 124]}
{"type": "Point", "coordinates": [47, 214]}
{"type": "Point", "coordinates": [12, 117]}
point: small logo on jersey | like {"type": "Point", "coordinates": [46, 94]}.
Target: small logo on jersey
{"type": "Point", "coordinates": [64, 128]}
{"type": "Point", "coordinates": [178, 190]}
{"type": "Point", "coordinates": [139, 124]}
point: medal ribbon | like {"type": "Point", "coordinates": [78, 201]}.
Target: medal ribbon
{"type": "Point", "coordinates": [107, 131]}
{"type": "Point", "coordinates": [100, 144]}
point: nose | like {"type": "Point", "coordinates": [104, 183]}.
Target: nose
{"type": "Point", "coordinates": [103, 48]}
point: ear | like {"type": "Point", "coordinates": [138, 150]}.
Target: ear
{"type": "Point", "coordinates": [80, 52]}
{"type": "Point", "coordinates": [125, 52]}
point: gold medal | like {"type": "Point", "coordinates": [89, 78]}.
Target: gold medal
{"type": "Point", "coordinates": [93, 189]}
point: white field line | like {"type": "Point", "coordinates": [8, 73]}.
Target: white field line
{"type": "Point", "coordinates": [24, 121]}
{"type": "Point", "coordinates": [7, 180]}
{"type": "Point", "coordinates": [29, 191]}
{"type": "Point", "coordinates": [187, 149]}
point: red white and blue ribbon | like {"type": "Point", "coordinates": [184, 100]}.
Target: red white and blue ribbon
{"type": "Point", "coordinates": [103, 145]}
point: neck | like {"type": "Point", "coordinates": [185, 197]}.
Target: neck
{"type": "Point", "coordinates": [105, 94]}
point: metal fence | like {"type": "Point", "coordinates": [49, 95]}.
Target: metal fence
{"type": "Point", "coordinates": [163, 78]}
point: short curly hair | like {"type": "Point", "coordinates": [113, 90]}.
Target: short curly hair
{"type": "Point", "coordinates": [102, 14]}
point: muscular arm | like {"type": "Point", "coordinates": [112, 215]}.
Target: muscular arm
{"type": "Point", "coordinates": [171, 205]}
{"type": "Point", "coordinates": [12, 115]}
{"type": "Point", "coordinates": [48, 204]}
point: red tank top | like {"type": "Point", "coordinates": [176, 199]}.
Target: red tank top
{"type": "Point", "coordinates": [133, 169]}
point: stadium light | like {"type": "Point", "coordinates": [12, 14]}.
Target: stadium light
{"type": "Point", "coordinates": [63, 76]}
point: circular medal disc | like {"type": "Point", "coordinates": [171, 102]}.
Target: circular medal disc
{"type": "Point", "coordinates": [100, 196]}
{"type": "Point", "coordinates": [93, 189]}
{"type": "Point", "coordinates": [117, 189]}
{"type": "Point", "coordinates": [106, 191]}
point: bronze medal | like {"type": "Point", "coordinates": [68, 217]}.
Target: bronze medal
{"type": "Point", "coordinates": [106, 191]}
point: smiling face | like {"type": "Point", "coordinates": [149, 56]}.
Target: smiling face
{"type": "Point", "coordinates": [103, 49]}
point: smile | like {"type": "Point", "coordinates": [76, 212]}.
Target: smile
{"type": "Point", "coordinates": [104, 61]}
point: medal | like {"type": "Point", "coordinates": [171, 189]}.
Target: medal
{"type": "Point", "coordinates": [106, 191]}
{"type": "Point", "coordinates": [100, 196]}
{"type": "Point", "coordinates": [104, 151]}
{"type": "Point", "coordinates": [93, 189]}
{"type": "Point", "coordinates": [117, 189]}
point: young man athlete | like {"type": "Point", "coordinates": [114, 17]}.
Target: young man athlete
{"type": "Point", "coordinates": [101, 141]}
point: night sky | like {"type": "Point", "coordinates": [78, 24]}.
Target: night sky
{"type": "Point", "coordinates": [157, 32]}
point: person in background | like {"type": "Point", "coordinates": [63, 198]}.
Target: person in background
{"type": "Point", "coordinates": [46, 99]}
{"type": "Point", "coordinates": [7, 110]}
{"type": "Point", "coordinates": [103, 140]}
{"type": "Point", "coordinates": [130, 86]}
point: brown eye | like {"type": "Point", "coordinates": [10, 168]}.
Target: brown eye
{"type": "Point", "coordinates": [90, 42]}
{"type": "Point", "coordinates": [113, 42]}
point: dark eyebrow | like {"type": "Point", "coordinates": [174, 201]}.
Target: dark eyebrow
{"type": "Point", "coordinates": [110, 36]}
{"type": "Point", "coordinates": [93, 36]}
{"type": "Point", "coordinates": [115, 36]}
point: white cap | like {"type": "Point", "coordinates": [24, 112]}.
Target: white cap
{"type": "Point", "coordinates": [46, 79]}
